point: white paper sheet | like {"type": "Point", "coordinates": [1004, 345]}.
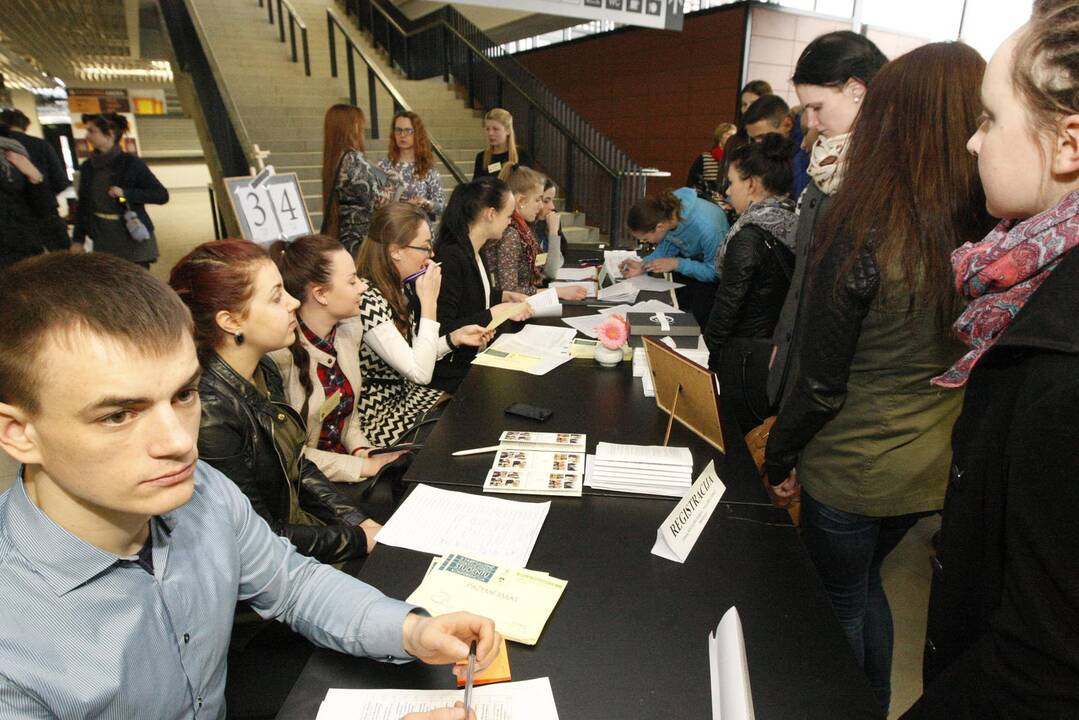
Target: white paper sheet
{"type": "Point", "coordinates": [565, 273]}
{"type": "Point", "coordinates": [586, 324]}
{"type": "Point", "coordinates": [545, 303]}
{"type": "Point", "coordinates": [549, 344]}
{"type": "Point", "coordinates": [439, 521]}
{"type": "Point", "coordinates": [525, 700]}
{"type": "Point", "coordinates": [613, 258]}
{"type": "Point", "coordinates": [654, 284]}
{"type": "Point", "coordinates": [732, 697]}
{"type": "Point", "coordinates": [655, 454]}
{"type": "Point", "coordinates": [588, 285]}
{"type": "Point", "coordinates": [619, 292]}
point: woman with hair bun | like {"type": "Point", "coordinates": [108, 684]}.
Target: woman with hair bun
{"type": "Point", "coordinates": [241, 311]}
{"type": "Point", "coordinates": [320, 369]}
{"type": "Point", "coordinates": [756, 260]}
{"type": "Point", "coordinates": [112, 182]}
{"type": "Point", "coordinates": [687, 232]}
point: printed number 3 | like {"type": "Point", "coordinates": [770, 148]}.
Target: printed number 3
{"type": "Point", "coordinates": [258, 208]}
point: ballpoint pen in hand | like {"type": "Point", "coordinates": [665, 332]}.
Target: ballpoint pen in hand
{"type": "Point", "coordinates": [471, 675]}
{"type": "Point", "coordinates": [413, 276]}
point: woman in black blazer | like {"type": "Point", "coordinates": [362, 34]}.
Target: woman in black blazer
{"type": "Point", "coordinates": [477, 212]}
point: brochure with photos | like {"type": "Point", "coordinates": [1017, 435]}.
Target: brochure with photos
{"type": "Point", "coordinates": [517, 468]}
{"type": "Point", "coordinates": [549, 441]}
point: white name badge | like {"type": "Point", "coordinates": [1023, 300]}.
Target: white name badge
{"type": "Point", "coordinates": [679, 532]}
{"type": "Point", "coordinates": [494, 167]}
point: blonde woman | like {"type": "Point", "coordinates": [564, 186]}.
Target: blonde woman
{"type": "Point", "coordinates": [502, 147]}
{"type": "Point", "coordinates": [352, 187]}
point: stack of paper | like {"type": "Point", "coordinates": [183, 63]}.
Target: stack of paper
{"type": "Point", "coordinates": [545, 303]}
{"type": "Point", "coordinates": [654, 284]}
{"type": "Point", "coordinates": [536, 349]}
{"type": "Point", "coordinates": [641, 369]}
{"type": "Point", "coordinates": [587, 273]}
{"type": "Point", "coordinates": [646, 469]}
{"type": "Point", "coordinates": [613, 259]}
{"type": "Point", "coordinates": [588, 285]}
{"type": "Point", "coordinates": [527, 700]}
{"type": "Point", "coordinates": [624, 291]}
{"type": "Point", "coordinates": [519, 601]}
{"type": "Point", "coordinates": [439, 521]}
{"type": "Point", "coordinates": [538, 464]}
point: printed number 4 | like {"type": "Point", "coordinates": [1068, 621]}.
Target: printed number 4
{"type": "Point", "coordinates": [287, 205]}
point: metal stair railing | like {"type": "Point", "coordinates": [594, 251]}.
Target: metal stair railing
{"type": "Point", "coordinates": [595, 175]}
{"type": "Point", "coordinates": [294, 21]}
{"type": "Point", "coordinates": [375, 77]}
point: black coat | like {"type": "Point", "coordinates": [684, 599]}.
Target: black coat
{"type": "Point", "coordinates": [753, 284]}
{"type": "Point", "coordinates": [23, 206]}
{"type": "Point", "coordinates": [140, 187]}
{"type": "Point", "coordinates": [45, 160]}
{"type": "Point", "coordinates": [236, 437]}
{"type": "Point", "coordinates": [1003, 629]}
{"type": "Point", "coordinates": [479, 170]}
{"type": "Point", "coordinates": [461, 301]}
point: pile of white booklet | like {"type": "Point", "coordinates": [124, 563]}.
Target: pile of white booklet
{"type": "Point", "coordinates": [641, 369]}
{"type": "Point", "coordinates": [645, 469]}
{"type": "Point", "coordinates": [538, 463]}
{"type": "Point", "coordinates": [624, 291]}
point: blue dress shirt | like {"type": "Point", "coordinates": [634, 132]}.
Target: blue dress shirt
{"type": "Point", "coordinates": [697, 239]}
{"type": "Point", "coordinates": [88, 634]}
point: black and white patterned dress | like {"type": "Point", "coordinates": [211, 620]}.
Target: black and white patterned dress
{"type": "Point", "coordinates": [389, 402]}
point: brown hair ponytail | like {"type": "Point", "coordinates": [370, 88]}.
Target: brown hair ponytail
{"type": "Point", "coordinates": [648, 212]}
{"type": "Point", "coordinates": [303, 262]}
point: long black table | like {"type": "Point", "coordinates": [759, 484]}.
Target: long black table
{"type": "Point", "coordinates": [629, 636]}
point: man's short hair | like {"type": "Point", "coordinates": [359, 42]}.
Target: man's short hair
{"type": "Point", "coordinates": [767, 107]}
{"type": "Point", "coordinates": [15, 118]}
{"type": "Point", "coordinates": [57, 294]}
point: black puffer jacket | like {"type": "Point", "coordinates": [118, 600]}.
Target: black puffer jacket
{"type": "Point", "coordinates": [236, 437]}
{"type": "Point", "coordinates": [753, 284]}
{"type": "Point", "coordinates": [22, 205]}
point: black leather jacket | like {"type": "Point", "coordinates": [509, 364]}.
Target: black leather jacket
{"type": "Point", "coordinates": [753, 283]}
{"type": "Point", "coordinates": [236, 437]}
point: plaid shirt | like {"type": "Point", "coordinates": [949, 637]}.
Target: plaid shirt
{"type": "Point", "coordinates": [333, 381]}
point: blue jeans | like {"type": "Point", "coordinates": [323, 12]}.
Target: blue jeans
{"type": "Point", "coordinates": [848, 550]}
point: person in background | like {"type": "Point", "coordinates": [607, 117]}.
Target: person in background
{"type": "Point", "coordinates": [119, 546]}
{"type": "Point", "coordinates": [512, 258]}
{"type": "Point", "coordinates": [40, 151]}
{"type": "Point", "coordinates": [750, 92]}
{"type": "Point", "coordinates": [477, 212]}
{"type": "Point", "coordinates": [754, 264]}
{"type": "Point", "coordinates": [25, 204]}
{"type": "Point", "coordinates": [320, 369]}
{"type": "Point", "coordinates": [831, 78]}
{"type": "Point", "coordinates": [249, 431]}
{"type": "Point", "coordinates": [705, 173]}
{"type": "Point", "coordinates": [863, 431]}
{"type": "Point", "coordinates": [502, 146]}
{"type": "Point", "coordinates": [352, 188]}
{"type": "Point", "coordinates": [111, 183]}
{"type": "Point", "coordinates": [401, 343]}
{"type": "Point", "coordinates": [1001, 637]}
{"type": "Point", "coordinates": [548, 225]}
{"type": "Point", "coordinates": [687, 232]}
{"type": "Point", "coordinates": [771, 114]}
{"type": "Point", "coordinates": [411, 158]}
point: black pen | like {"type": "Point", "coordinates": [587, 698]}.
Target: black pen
{"type": "Point", "coordinates": [470, 675]}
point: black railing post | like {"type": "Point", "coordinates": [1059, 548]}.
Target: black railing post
{"type": "Point", "coordinates": [269, 10]}
{"type": "Point", "coordinates": [333, 45]}
{"type": "Point", "coordinates": [532, 129]}
{"type": "Point", "coordinates": [498, 90]}
{"type": "Point", "coordinates": [408, 60]}
{"type": "Point", "coordinates": [306, 53]}
{"type": "Point", "coordinates": [292, 36]}
{"type": "Point", "coordinates": [445, 54]}
{"type": "Point", "coordinates": [471, 87]}
{"type": "Point", "coordinates": [280, 23]}
{"type": "Point", "coordinates": [372, 94]}
{"type": "Point", "coordinates": [351, 71]}
{"type": "Point", "coordinates": [614, 232]}
{"type": "Point", "coordinates": [569, 173]}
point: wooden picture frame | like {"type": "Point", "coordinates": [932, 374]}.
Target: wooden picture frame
{"type": "Point", "coordinates": [686, 391]}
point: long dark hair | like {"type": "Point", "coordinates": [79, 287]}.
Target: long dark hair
{"type": "Point", "coordinates": [466, 203]}
{"type": "Point", "coordinates": [834, 58]}
{"type": "Point", "coordinates": [910, 183]}
{"type": "Point", "coordinates": [421, 143]}
{"type": "Point", "coordinates": [342, 132]}
{"type": "Point", "coordinates": [304, 261]}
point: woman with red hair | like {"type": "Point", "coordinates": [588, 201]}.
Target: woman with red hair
{"type": "Point", "coordinates": [241, 312]}
{"type": "Point", "coordinates": [410, 158]}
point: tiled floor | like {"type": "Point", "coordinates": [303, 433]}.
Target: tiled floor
{"type": "Point", "coordinates": [185, 222]}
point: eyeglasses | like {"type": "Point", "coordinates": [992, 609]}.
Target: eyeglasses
{"type": "Point", "coordinates": [423, 248]}
{"type": "Point", "coordinates": [404, 131]}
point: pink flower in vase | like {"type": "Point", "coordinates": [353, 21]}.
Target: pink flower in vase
{"type": "Point", "coordinates": [613, 332]}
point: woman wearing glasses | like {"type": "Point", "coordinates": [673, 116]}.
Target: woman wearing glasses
{"type": "Point", "coordinates": [411, 159]}
{"type": "Point", "coordinates": [401, 341]}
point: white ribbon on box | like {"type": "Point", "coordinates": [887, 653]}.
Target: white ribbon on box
{"type": "Point", "coordinates": [664, 321]}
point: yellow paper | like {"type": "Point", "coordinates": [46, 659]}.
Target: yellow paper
{"type": "Point", "coordinates": [541, 259]}
{"type": "Point", "coordinates": [506, 360]}
{"type": "Point", "coordinates": [518, 600]}
{"type": "Point", "coordinates": [329, 405]}
{"type": "Point", "coordinates": [497, 318]}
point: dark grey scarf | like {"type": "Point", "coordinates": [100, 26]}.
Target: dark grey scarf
{"type": "Point", "coordinates": [775, 215]}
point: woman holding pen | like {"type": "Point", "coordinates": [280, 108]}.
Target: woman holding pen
{"type": "Point", "coordinates": [400, 343]}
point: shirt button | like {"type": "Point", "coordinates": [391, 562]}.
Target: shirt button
{"type": "Point", "coordinates": [280, 417]}
{"type": "Point", "coordinates": [199, 700]}
{"type": "Point", "coordinates": [329, 362]}
{"type": "Point", "coordinates": [187, 638]}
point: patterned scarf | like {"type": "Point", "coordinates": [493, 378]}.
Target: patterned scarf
{"type": "Point", "coordinates": [775, 215]}
{"type": "Point", "coordinates": [532, 246]}
{"type": "Point", "coordinates": [826, 162]}
{"type": "Point", "coordinates": [1001, 272]}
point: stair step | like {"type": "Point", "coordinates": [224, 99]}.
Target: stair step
{"type": "Point", "coordinates": [586, 235]}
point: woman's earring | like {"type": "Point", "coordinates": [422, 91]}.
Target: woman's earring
{"type": "Point", "coordinates": [239, 338]}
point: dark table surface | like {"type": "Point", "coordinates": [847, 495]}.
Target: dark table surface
{"type": "Point", "coordinates": [629, 637]}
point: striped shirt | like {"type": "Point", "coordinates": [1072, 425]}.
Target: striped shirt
{"type": "Point", "coordinates": [85, 633]}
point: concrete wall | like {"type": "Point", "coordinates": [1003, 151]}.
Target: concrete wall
{"type": "Point", "coordinates": [657, 94]}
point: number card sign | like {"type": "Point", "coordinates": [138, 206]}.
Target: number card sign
{"type": "Point", "coordinates": [269, 207]}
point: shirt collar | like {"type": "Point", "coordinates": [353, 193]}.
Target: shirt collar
{"type": "Point", "coordinates": [62, 559]}
{"type": "Point", "coordinates": [323, 344]}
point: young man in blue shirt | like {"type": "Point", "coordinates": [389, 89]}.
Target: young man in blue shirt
{"type": "Point", "coordinates": [122, 557]}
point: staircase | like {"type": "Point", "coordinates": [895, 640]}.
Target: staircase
{"type": "Point", "coordinates": [282, 109]}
